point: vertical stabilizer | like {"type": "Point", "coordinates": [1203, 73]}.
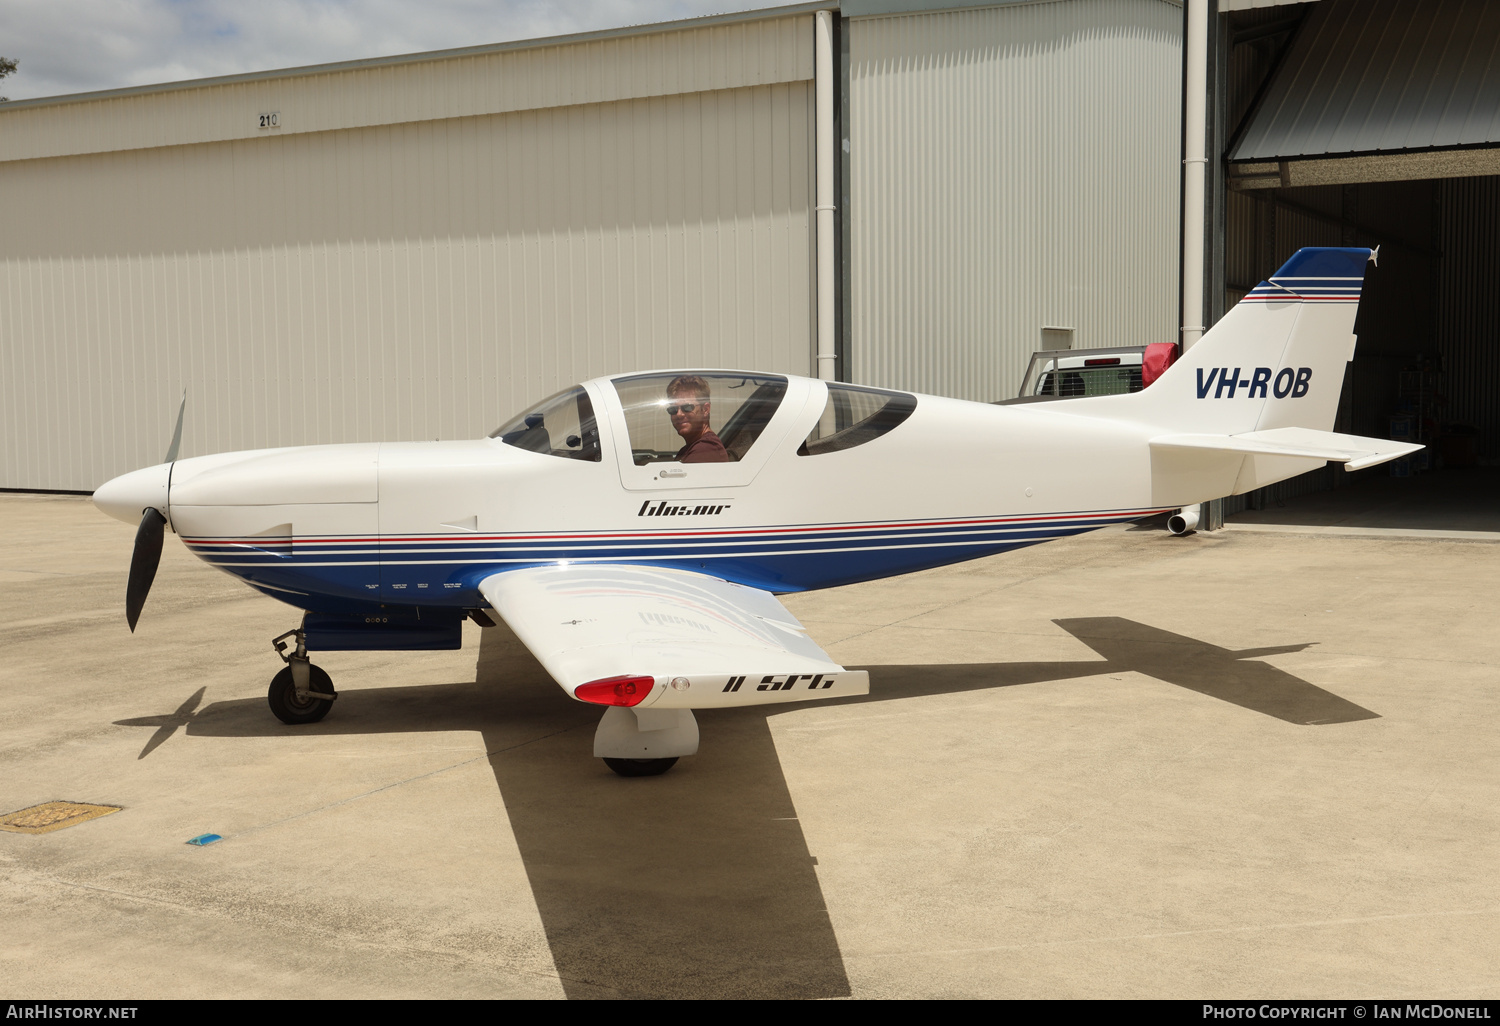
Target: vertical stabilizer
{"type": "Point", "coordinates": [1276, 359]}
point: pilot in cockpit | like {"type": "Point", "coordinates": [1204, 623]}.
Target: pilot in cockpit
{"type": "Point", "coordinates": [687, 404]}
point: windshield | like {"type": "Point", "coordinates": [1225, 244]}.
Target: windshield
{"type": "Point", "coordinates": [560, 425]}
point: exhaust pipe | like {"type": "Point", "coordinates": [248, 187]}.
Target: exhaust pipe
{"type": "Point", "coordinates": [1184, 521]}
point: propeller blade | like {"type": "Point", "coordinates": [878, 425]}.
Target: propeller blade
{"type": "Point", "coordinates": [176, 434]}
{"type": "Point", "coordinates": [143, 563]}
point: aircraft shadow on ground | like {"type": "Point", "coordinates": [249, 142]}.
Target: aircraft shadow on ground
{"type": "Point", "coordinates": [699, 883]}
{"type": "Point", "coordinates": [1237, 677]}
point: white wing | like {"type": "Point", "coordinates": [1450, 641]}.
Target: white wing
{"type": "Point", "coordinates": [728, 644]}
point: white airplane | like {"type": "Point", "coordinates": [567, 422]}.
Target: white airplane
{"type": "Point", "coordinates": [633, 530]}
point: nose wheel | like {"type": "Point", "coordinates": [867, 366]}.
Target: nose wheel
{"type": "Point", "coordinates": [301, 692]}
{"type": "Point", "coordinates": [309, 707]}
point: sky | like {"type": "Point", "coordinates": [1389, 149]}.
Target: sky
{"type": "Point", "coordinates": [73, 46]}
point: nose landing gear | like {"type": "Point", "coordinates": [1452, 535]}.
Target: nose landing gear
{"type": "Point", "coordinates": [301, 692]}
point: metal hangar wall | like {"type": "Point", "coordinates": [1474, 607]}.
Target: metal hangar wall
{"type": "Point", "coordinates": [1013, 168]}
{"type": "Point", "coordinates": [417, 246]}
{"type": "Point", "coordinates": [419, 249]}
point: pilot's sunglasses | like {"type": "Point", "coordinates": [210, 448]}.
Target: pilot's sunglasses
{"type": "Point", "coordinates": [684, 407]}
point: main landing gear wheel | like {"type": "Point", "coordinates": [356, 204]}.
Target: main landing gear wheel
{"type": "Point", "coordinates": [292, 708]}
{"type": "Point", "coordinates": [631, 767]}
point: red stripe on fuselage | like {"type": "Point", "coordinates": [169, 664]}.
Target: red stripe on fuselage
{"type": "Point", "coordinates": [728, 533]}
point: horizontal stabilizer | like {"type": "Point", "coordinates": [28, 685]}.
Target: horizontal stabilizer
{"type": "Point", "coordinates": [1356, 452]}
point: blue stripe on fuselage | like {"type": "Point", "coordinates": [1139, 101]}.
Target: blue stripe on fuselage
{"type": "Point", "coordinates": [328, 574]}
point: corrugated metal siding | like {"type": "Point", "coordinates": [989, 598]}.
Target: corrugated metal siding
{"type": "Point", "coordinates": [1381, 75]}
{"type": "Point", "coordinates": [717, 57]}
{"type": "Point", "coordinates": [1259, 237]}
{"type": "Point", "coordinates": [1468, 307]}
{"type": "Point", "coordinates": [1249, 5]}
{"type": "Point", "coordinates": [1251, 61]}
{"type": "Point", "coordinates": [418, 280]}
{"type": "Point", "coordinates": [1012, 168]}
{"type": "Point", "coordinates": [1295, 230]}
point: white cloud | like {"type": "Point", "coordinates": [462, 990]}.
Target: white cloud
{"type": "Point", "coordinates": [70, 46]}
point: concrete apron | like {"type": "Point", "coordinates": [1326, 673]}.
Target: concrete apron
{"type": "Point", "coordinates": [1123, 765]}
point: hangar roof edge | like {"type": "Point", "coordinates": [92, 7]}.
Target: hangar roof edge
{"type": "Point", "coordinates": [759, 14]}
{"type": "Point", "coordinates": [869, 8]}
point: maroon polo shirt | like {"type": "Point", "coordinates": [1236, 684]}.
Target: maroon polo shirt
{"type": "Point", "coordinates": [707, 449]}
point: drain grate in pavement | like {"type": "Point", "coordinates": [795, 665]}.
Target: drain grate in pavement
{"type": "Point", "coordinates": [49, 816]}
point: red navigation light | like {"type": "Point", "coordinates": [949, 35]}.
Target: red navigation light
{"type": "Point", "coordinates": [616, 690]}
{"type": "Point", "coordinates": [1102, 361]}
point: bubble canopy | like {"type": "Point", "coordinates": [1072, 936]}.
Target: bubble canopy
{"type": "Point", "coordinates": [738, 406]}
{"type": "Point", "coordinates": [700, 417]}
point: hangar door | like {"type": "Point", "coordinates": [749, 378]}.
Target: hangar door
{"type": "Point", "coordinates": [1377, 122]}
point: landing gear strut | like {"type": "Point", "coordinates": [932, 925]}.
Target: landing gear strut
{"type": "Point", "coordinates": [301, 692]}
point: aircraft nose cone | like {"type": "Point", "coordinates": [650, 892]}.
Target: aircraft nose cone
{"type": "Point", "coordinates": [128, 496]}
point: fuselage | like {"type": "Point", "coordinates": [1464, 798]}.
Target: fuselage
{"type": "Point", "coordinates": [346, 529]}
